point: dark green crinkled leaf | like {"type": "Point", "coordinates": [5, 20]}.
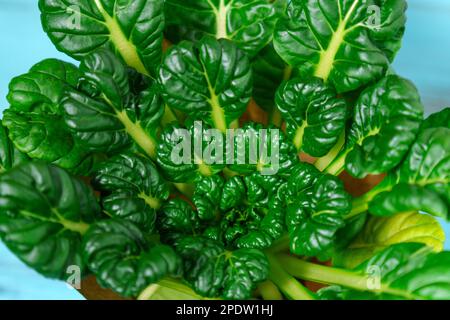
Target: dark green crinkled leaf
{"type": "Point", "coordinates": [207, 196]}
{"type": "Point", "coordinates": [315, 116]}
{"type": "Point", "coordinates": [214, 271]}
{"type": "Point", "coordinates": [177, 219]}
{"type": "Point", "coordinates": [124, 260]}
{"type": "Point", "coordinates": [43, 214]}
{"type": "Point", "coordinates": [248, 23]}
{"type": "Point", "coordinates": [340, 41]}
{"type": "Point", "coordinates": [260, 149]}
{"type": "Point", "coordinates": [404, 271]}
{"type": "Point", "coordinates": [269, 71]}
{"type": "Point", "coordinates": [250, 216]}
{"type": "Point", "coordinates": [10, 156]}
{"type": "Point", "coordinates": [35, 119]}
{"type": "Point", "coordinates": [210, 80]}
{"type": "Point", "coordinates": [422, 183]}
{"type": "Point", "coordinates": [131, 29]}
{"type": "Point", "coordinates": [186, 154]}
{"type": "Point", "coordinates": [387, 119]}
{"type": "Point", "coordinates": [315, 208]}
{"type": "Point", "coordinates": [105, 115]}
{"type": "Point", "coordinates": [132, 189]}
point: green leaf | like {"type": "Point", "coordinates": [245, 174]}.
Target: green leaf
{"type": "Point", "coordinates": [438, 119]}
{"type": "Point", "coordinates": [35, 119]}
{"type": "Point", "coordinates": [123, 260]}
{"type": "Point", "coordinates": [315, 208]}
{"type": "Point", "coordinates": [249, 24]}
{"type": "Point", "coordinates": [251, 216]}
{"type": "Point", "coordinates": [380, 233]}
{"type": "Point", "coordinates": [105, 115]}
{"type": "Point", "coordinates": [177, 219]}
{"type": "Point", "coordinates": [187, 154]}
{"type": "Point", "coordinates": [207, 196]}
{"type": "Point", "coordinates": [10, 156]}
{"type": "Point", "coordinates": [402, 271]}
{"type": "Point", "coordinates": [214, 271]}
{"type": "Point", "coordinates": [269, 71]}
{"type": "Point", "coordinates": [132, 189]}
{"type": "Point", "coordinates": [131, 29]}
{"type": "Point", "coordinates": [210, 80]}
{"type": "Point", "coordinates": [386, 121]}
{"type": "Point", "coordinates": [43, 214]}
{"type": "Point", "coordinates": [389, 33]}
{"type": "Point", "coordinates": [338, 41]}
{"type": "Point", "coordinates": [260, 149]}
{"type": "Point", "coordinates": [422, 183]}
{"type": "Point", "coordinates": [315, 116]}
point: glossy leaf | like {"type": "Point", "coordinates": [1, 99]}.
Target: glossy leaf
{"type": "Point", "coordinates": [44, 212]}
{"type": "Point", "coordinates": [380, 233]}
{"type": "Point", "coordinates": [438, 119]}
{"type": "Point", "coordinates": [177, 219]}
{"type": "Point", "coordinates": [422, 183]}
{"type": "Point", "coordinates": [210, 80]}
{"type": "Point", "coordinates": [131, 29]}
{"type": "Point", "coordinates": [249, 24]}
{"type": "Point", "coordinates": [35, 118]}
{"type": "Point", "coordinates": [105, 115]}
{"type": "Point", "coordinates": [187, 154]}
{"type": "Point", "coordinates": [260, 149]}
{"type": "Point", "coordinates": [10, 156]}
{"type": "Point", "coordinates": [406, 271]}
{"type": "Point", "coordinates": [214, 271]}
{"type": "Point", "coordinates": [269, 71]}
{"type": "Point", "coordinates": [207, 196]}
{"type": "Point", "coordinates": [343, 42]}
{"type": "Point", "coordinates": [315, 116]}
{"type": "Point", "coordinates": [132, 189]}
{"type": "Point", "coordinates": [251, 216]}
{"type": "Point", "coordinates": [386, 121]}
{"type": "Point", "coordinates": [124, 260]}
{"type": "Point", "coordinates": [315, 209]}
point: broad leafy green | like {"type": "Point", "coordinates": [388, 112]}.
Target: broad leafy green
{"type": "Point", "coordinates": [341, 41]}
{"type": "Point", "coordinates": [214, 271]}
{"type": "Point", "coordinates": [422, 182]}
{"type": "Point", "coordinates": [249, 24]}
{"type": "Point", "coordinates": [315, 117]}
{"type": "Point", "coordinates": [207, 196]}
{"type": "Point", "coordinates": [257, 148]}
{"type": "Point", "coordinates": [44, 212]}
{"type": "Point", "coordinates": [186, 154]}
{"type": "Point", "coordinates": [386, 114]}
{"type": "Point", "coordinates": [315, 208]}
{"type": "Point", "coordinates": [133, 189]}
{"type": "Point", "coordinates": [131, 29]}
{"type": "Point", "coordinates": [381, 233]}
{"type": "Point", "coordinates": [123, 259]}
{"type": "Point", "coordinates": [35, 119]}
{"type": "Point", "coordinates": [269, 71]}
{"type": "Point", "coordinates": [176, 220]}
{"type": "Point", "coordinates": [403, 271]}
{"type": "Point", "coordinates": [209, 80]}
{"type": "Point", "coordinates": [251, 216]}
{"type": "Point", "coordinates": [105, 115]}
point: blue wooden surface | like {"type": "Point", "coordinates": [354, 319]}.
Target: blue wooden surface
{"type": "Point", "coordinates": [425, 59]}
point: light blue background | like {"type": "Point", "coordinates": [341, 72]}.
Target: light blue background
{"type": "Point", "coordinates": [425, 59]}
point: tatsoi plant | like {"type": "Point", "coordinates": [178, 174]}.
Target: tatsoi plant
{"type": "Point", "coordinates": [88, 176]}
